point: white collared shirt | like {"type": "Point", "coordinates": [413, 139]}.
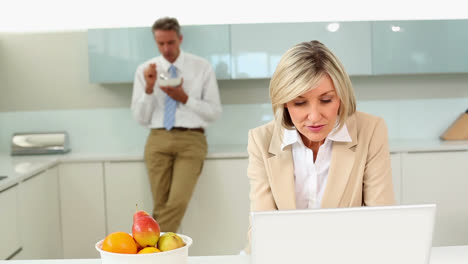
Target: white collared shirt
{"type": "Point", "coordinates": [199, 82]}
{"type": "Point", "coordinates": [310, 177]}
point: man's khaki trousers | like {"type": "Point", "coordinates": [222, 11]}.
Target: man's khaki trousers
{"type": "Point", "coordinates": [174, 160]}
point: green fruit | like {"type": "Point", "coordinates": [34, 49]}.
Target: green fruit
{"type": "Point", "coordinates": [170, 241]}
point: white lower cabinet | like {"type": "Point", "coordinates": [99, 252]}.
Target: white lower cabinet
{"type": "Point", "coordinates": [40, 230]}
{"type": "Point", "coordinates": [82, 210]}
{"type": "Point", "coordinates": [65, 210]}
{"type": "Point", "coordinates": [127, 184]}
{"type": "Point", "coordinates": [9, 237]}
{"type": "Point", "coordinates": [395, 159]}
{"type": "Point", "coordinates": [440, 178]}
{"type": "Point", "coordinates": [217, 218]}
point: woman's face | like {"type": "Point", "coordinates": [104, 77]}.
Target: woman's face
{"type": "Point", "coordinates": [314, 113]}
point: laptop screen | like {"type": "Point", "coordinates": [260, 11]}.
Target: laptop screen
{"type": "Point", "coordinates": [364, 235]}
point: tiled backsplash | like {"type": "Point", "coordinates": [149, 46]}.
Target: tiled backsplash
{"type": "Point", "coordinates": [113, 129]}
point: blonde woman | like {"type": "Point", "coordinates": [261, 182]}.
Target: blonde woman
{"type": "Point", "coordinates": [319, 152]}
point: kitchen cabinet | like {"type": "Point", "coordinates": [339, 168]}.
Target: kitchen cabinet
{"type": "Point", "coordinates": [9, 238]}
{"type": "Point", "coordinates": [114, 54]}
{"type": "Point", "coordinates": [246, 51]}
{"type": "Point", "coordinates": [217, 217]}
{"type": "Point", "coordinates": [127, 184]}
{"type": "Point", "coordinates": [40, 230]}
{"type": "Point", "coordinates": [257, 48]}
{"type": "Point", "coordinates": [440, 178]}
{"type": "Point", "coordinates": [219, 207]}
{"type": "Point", "coordinates": [212, 43]}
{"type": "Point", "coordinates": [81, 187]}
{"type": "Point", "coordinates": [409, 47]}
{"type": "Point", "coordinates": [395, 159]}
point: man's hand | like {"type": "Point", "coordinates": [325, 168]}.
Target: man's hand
{"type": "Point", "coordinates": [151, 75]}
{"type": "Point", "coordinates": [177, 93]}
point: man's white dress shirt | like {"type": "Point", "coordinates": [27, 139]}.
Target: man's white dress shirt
{"type": "Point", "coordinates": [310, 177]}
{"type": "Point", "coordinates": [199, 83]}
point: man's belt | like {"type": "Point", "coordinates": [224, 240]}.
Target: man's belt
{"type": "Point", "coordinates": [196, 129]}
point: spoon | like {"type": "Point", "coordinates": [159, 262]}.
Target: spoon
{"type": "Point", "coordinates": [163, 76]}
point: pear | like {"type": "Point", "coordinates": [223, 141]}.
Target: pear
{"type": "Point", "coordinates": [170, 241]}
{"type": "Point", "coordinates": [145, 229]}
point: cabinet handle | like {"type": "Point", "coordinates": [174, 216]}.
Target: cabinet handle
{"type": "Point", "coordinates": [15, 253]}
{"type": "Point", "coordinates": [34, 175]}
{"type": "Point", "coordinates": [8, 188]}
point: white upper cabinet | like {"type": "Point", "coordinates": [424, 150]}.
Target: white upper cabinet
{"type": "Point", "coordinates": [250, 51]}
{"type": "Point", "coordinates": [212, 43]}
{"type": "Point", "coordinates": [257, 48]}
{"type": "Point", "coordinates": [409, 47]}
{"type": "Point", "coordinates": [114, 54]}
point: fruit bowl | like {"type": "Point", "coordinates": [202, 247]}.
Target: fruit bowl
{"type": "Point", "coordinates": [175, 256]}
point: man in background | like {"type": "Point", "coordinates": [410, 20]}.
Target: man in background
{"type": "Point", "coordinates": [177, 116]}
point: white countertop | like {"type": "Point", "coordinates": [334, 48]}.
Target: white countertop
{"type": "Point", "coordinates": [426, 145]}
{"type": "Point", "coordinates": [439, 255]}
{"type": "Point", "coordinates": [18, 168]}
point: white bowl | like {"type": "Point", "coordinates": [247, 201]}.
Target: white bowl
{"type": "Point", "coordinates": [170, 82]}
{"type": "Point", "coordinates": [175, 256]}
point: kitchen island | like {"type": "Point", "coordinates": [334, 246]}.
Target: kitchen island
{"type": "Point", "coordinates": [52, 194]}
{"type": "Point", "coordinates": [439, 255]}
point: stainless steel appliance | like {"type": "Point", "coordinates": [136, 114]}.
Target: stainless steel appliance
{"type": "Point", "coordinates": [40, 143]}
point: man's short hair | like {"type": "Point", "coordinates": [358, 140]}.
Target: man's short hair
{"type": "Point", "coordinates": [167, 23]}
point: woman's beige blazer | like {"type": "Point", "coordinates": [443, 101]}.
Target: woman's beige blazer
{"type": "Point", "coordinates": [359, 174]}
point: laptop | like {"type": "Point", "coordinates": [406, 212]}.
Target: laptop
{"type": "Point", "coordinates": [365, 235]}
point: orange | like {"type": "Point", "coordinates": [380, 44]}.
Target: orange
{"type": "Point", "coordinates": [147, 250]}
{"type": "Point", "coordinates": [119, 242]}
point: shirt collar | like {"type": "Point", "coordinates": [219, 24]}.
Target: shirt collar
{"type": "Point", "coordinates": [178, 63]}
{"type": "Point", "coordinates": [292, 136]}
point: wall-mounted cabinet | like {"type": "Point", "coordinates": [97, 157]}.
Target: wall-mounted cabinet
{"type": "Point", "coordinates": [251, 51]}
{"type": "Point", "coordinates": [114, 54]}
{"type": "Point", "coordinates": [257, 48]}
{"type": "Point", "coordinates": [409, 47]}
{"type": "Point", "coordinates": [212, 43]}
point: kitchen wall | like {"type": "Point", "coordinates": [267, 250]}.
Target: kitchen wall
{"type": "Point", "coordinates": [44, 87]}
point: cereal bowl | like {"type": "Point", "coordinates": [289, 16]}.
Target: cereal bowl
{"type": "Point", "coordinates": [170, 82]}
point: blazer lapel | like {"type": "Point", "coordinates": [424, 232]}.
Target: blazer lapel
{"type": "Point", "coordinates": [281, 172]}
{"type": "Point", "coordinates": [342, 161]}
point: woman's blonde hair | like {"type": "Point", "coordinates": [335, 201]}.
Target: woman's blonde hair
{"type": "Point", "coordinates": [300, 70]}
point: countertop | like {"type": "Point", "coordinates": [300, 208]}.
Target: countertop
{"type": "Point", "coordinates": [18, 168]}
{"type": "Point", "coordinates": [439, 255]}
